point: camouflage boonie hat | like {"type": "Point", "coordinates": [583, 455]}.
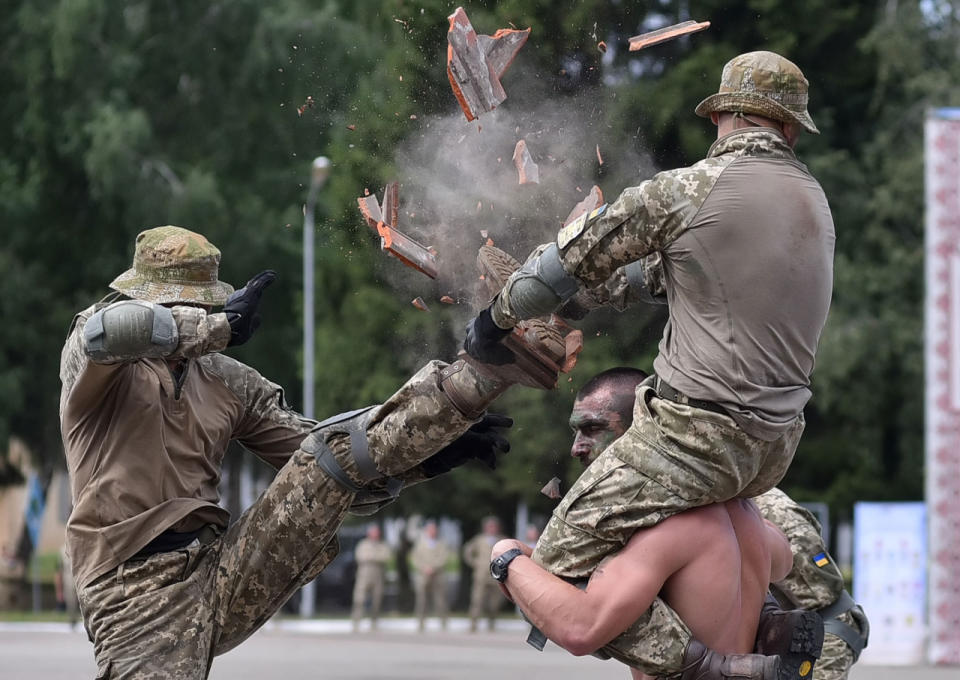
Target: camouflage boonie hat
{"type": "Point", "coordinates": [171, 264]}
{"type": "Point", "coordinates": [763, 83]}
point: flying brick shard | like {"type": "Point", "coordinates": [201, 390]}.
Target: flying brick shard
{"type": "Point", "coordinates": [638, 42]}
{"type": "Point", "coordinates": [593, 201]}
{"type": "Point", "coordinates": [475, 63]}
{"type": "Point", "coordinates": [527, 170]}
{"type": "Point", "coordinates": [383, 219]}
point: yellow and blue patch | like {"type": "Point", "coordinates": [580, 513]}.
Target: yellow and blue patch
{"type": "Point", "coordinates": [821, 559]}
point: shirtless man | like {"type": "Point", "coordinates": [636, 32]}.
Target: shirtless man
{"type": "Point", "coordinates": [712, 565]}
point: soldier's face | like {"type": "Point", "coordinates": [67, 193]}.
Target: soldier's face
{"type": "Point", "coordinates": [596, 424]}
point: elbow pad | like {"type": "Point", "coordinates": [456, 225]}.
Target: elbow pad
{"type": "Point", "coordinates": [641, 286]}
{"type": "Point", "coordinates": [536, 289]}
{"type": "Point", "coordinates": [130, 329]}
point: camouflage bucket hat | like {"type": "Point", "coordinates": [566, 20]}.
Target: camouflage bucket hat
{"type": "Point", "coordinates": [171, 264]}
{"type": "Point", "coordinates": [763, 83]}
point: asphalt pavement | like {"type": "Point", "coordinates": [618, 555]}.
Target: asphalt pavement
{"type": "Point", "coordinates": [329, 650]}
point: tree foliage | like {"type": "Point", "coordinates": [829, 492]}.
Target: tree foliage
{"type": "Point", "coordinates": [118, 116]}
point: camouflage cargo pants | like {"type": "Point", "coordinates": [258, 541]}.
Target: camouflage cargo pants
{"type": "Point", "coordinates": [367, 586]}
{"type": "Point", "coordinates": [672, 458]}
{"type": "Point", "coordinates": [837, 657]}
{"type": "Point", "coordinates": [167, 616]}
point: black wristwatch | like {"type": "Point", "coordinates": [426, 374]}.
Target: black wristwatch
{"type": "Point", "coordinates": [498, 567]}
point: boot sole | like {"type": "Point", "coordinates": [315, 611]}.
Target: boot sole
{"type": "Point", "coordinates": [806, 643]}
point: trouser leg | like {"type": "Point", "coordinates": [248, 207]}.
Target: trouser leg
{"type": "Point", "coordinates": [439, 597]}
{"type": "Point", "coordinates": [376, 600]}
{"type": "Point", "coordinates": [150, 620]}
{"type": "Point", "coordinates": [359, 600]}
{"type": "Point", "coordinates": [837, 657]}
{"type": "Point", "coordinates": [672, 458]}
{"type": "Point", "coordinates": [476, 602]}
{"type": "Point", "coordinates": [421, 601]}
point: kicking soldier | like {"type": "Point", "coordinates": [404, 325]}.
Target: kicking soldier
{"type": "Point", "coordinates": [148, 406]}
{"type": "Point", "coordinates": [746, 241]}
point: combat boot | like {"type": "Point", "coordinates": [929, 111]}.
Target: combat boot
{"type": "Point", "coordinates": [795, 635]}
{"type": "Point", "coordinates": [541, 348]}
{"type": "Point", "coordinates": [702, 663]}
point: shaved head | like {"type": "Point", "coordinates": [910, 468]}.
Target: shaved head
{"type": "Point", "coordinates": [602, 411]}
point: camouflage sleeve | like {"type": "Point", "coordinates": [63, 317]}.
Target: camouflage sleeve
{"type": "Point", "coordinates": [268, 427]}
{"type": "Point", "coordinates": [814, 580]}
{"type": "Point", "coordinates": [639, 281]}
{"type": "Point", "coordinates": [643, 219]}
{"type": "Point", "coordinates": [200, 333]}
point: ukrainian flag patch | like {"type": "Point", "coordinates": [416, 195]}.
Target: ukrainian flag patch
{"type": "Point", "coordinates": [821, 559]}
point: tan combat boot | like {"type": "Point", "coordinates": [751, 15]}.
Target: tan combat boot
{"type": "Point", "coordinates": [542, 349]}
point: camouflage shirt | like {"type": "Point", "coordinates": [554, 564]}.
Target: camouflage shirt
{"type": "Point", "coordinates": [814, 582]}
{"type": "Point", "coordinates": [144, 446]}
{"type": "Point", "coordinates": [746, 242]}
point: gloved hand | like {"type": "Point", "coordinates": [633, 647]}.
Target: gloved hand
{"type": "Point", "coordinates": [481, 442]}
{"type": "Point", "coordinates": [241, 307]}
{"type": "Point", "coordinates": [483, 340]}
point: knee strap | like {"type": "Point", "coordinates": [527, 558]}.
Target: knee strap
{"type": "Point", "coordinates": [856, 640]}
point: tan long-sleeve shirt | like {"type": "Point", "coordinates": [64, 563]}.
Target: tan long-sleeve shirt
{"type": "Point", "coordinates": [144, 450]}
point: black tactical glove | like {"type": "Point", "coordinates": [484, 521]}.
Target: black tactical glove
{"type": "Point", "coordinates": [241, 307]}
{"type": "Point", "coordinates": [483, 340]}
{"type": "Point", "coordinates": [481, 442]}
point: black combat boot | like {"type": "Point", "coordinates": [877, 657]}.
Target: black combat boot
{"type": "Point", "coordinates": [795, 635]}
{"type": "Point", "coordinates": [702, 663]}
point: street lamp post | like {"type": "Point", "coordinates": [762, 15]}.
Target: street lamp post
{"type": "Point", "coordinates": [319, 172]}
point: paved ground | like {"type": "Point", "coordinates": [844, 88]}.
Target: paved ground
{"type": "Point", "coordinates": [329, 651]}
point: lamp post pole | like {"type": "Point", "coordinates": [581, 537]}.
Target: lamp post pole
{"type": "Point", "coordinates": [319, 171]}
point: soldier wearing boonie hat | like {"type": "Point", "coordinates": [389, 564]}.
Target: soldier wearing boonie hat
{"type": "Point", "coordinates": [148, 407]}
{"type": "Point", "coordinates": [745, 243]}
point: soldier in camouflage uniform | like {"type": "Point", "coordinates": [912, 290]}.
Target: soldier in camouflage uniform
{"type": "Point", "coordinates": [746, 241]}
{"type": "Point", "coordinates": [371, 555]}
{"type": "Point", "coordinates": [147, 409]}
{"type": "Point", "coordinates": [602, 412]}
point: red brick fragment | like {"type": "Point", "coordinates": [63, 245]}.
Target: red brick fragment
{"type": "Point", "coordinates": [527, 171]}
{"type": "Point", "coordinates": [638, 42]}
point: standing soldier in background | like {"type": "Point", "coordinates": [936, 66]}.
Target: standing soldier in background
{"type": "Point", "coordinates": [371, 555]}
{"type": "Point", "coordinates": [485, 598]}
{"type": "Point", "coordinates": [429, 558]}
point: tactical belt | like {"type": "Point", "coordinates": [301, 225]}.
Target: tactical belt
{"type": "Point", "coordinates": [664, 391]}
{"type": "Point", "coordinates": [169, 541]}
{"type": "Point", "coordinates": [856, 639]}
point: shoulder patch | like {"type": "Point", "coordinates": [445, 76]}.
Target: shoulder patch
{"type": "Point", "coordinates": [575, 228]}
{"type": "Point", "coordinates": [821, 559]}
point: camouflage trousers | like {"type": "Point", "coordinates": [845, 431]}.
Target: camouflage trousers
{"type": "Point", "coordinates": [837, 657]}
{"type": "Point", "coordinates": [672, 458]}
{"type": "Point", "coordinates": [167, 616]}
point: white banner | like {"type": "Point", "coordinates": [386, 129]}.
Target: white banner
{"type": "Point", "coordinates": [942, 358]}
{"type": "Point", "coordinates": [889, 579]}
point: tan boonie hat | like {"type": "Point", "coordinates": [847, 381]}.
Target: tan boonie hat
{"type": "Point", "coordinates": [171, 264]}
{"type": "Point", "coordinates": [763, 83]}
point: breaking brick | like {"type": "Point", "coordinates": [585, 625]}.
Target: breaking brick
{"type": "Point", "coordinates": [552, 489]}
{"type": "Point", "coordinates": [407, 250]}
{"type": "Point", "coordinates": [391, 204]}
{"type": "Point", "coordinates": [370, 210]}
{"type": "Point", "coordinates": [574, 344]}
{"type": "Point", "coordinates": [420, 304]}
{"type": "Point", "coordinates": [352, 128]}
{"type": "Point", "coordinates": [599, 157]}
{"type": "Point", "coordinates": [602, 46]}
{"type": "Point", "coordinates": [447, 300]}
{"type": "Point", "coordinates": [383, 219]}
{"type": "Point", "coordinates": [475, 63]}
{"type": "Point", "coordinates": [527, 171]}
{"type": "Point", "coordinates": [638, 42]}
{"type": "Point", "coordinates": [593, 201]}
